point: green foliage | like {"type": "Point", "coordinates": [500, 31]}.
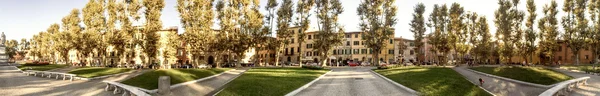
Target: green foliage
{"type": "Point", "coordinates": [303, 8]}
{"type": "Point", "coordinates": [528, 74]}
{"type": "Point", "coordinates": [548, 32]}
{"type": "Point", "coordinates": [575, 25]}
{"type": "Point", "coordinates": [284, 20]}
{"type": "Point", "coordinates": [417, 25]}
{"type": "Point", "coordinates": [197, 17]}
{"type": "Point", "coordinates": [330, 31]}
{"type": "Point", "coordinates": [149, 80]}
{"type": "Point", "coordinates": [377, 20]}
{"type": "Point", "coordinates": [433, 81]}
{"type": "Point", "coordinates": [153, 24]}
{"type": "Point", "coordinates": [263, 81]}
{"type": "Point", "coordinates": [593, 38]}
{"type": "Point", "coordinates": [11, 48]}
{"type": "Point", "coordinates": [439, 38]}
{"type": "Point", "coordinates": [508, 22]}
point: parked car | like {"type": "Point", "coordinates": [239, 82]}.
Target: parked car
{"type": "Point", "coordinates": [352, 64]}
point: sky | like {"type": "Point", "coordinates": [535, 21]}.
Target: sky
{"type": "Point", "coordinates": [24, 18]}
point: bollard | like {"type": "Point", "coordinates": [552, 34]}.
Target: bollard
{"type": "Point", "coordinates": [164, 85]}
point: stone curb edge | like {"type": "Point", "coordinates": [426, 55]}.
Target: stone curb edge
{"type": "Point", "coordinates": [474, 83]}
{"type": "Point", "coordinates": [395, 83]}
{"type": "Point", "coordinates": [230, 81]}
{"type": "Point", "coordinates": [306, 85]}
{"type": "Point", "coordinates": [512, 80]}
{"type": "Point", "coordinates": [184, 83]}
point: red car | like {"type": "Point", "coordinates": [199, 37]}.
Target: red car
{"type": "Point", "coordinates": [353, 64]}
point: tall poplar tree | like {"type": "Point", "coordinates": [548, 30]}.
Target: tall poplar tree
{"type": "Point", "coordinates": [377, 20]}
{"type": "Point", "coordinates": [418, 29]}
{"type": "Point", "coordinates": [575, 25]}
{"type": "Point", "coordinates": [70, 24]}
{"type": "Point", "coordinates": [508, 22]}
{"type": "Point", "coordinates": [330, 31]}
{"type": "Point", "coordinates": [284, 20]}
{"type": "Point", "coordinates": [530, 34]}
{"type": "Point", "coordinates": [594, 32]}
{"type": "Point", "coordinates": [303, 10]}
{"type": "Point", "coordinates": [548, 26]}
{"type": "Point", "coordinates": [151, 26]}
{"type": "Point", "coordinates": [197, 18]}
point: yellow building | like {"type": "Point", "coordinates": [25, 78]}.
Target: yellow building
{"type": "Point", "coordinates": [352, 48]}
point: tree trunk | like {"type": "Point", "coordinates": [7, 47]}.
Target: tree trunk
{"type": "Point", "coordinates": [239, 60]}
{"type": "Point", "coordinates": [300, 53]}
{"type": "Point", "coordinates": [376, 57]}
{"type": "Point", "coordinates": [324, 58]}
{"type": "Point", "coordinates": [576, 57]}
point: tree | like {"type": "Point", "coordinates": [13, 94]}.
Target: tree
{"type": "Point", "coordinates": [508, 22]}
{"type": "Point", "coordinates": [53, 31]}
{"type": "Point", "coordinates": [284, 20]}
{"type": "Point", "coordinates": [23, 45]}
{"type": "Point", "coordinates": [11, 48]}
{"type": "Point", "coordinates": [126, 12]}
{"type": "Point", "coordinates": [418, 28]}
{"type": "Point", "coordinates": [70, 24]}
{"type": "Point", "coordinates": [439, 40]}
{"type": "Point", "coordinates": [455, 29]}
{"type": "Point", "coordinates": [594, 32]}
{"type": "Point", "coordinates": [330, 31]}
{"type": "Point", "coordinates": [303, 10]}
{"type": "Point", "coordinates": [94, 20]}
{"type": "Point", "coordinates": [197, 19]}
{"type": "Point", "coordinates": [471, 29]}
{"type": "Point", "coordinates": [153, 24]}
{"type": "Point", "coordinates": [548, 32]}
{"type": "Point", "coordinates": [530, 34]}
{"type": "Point", "coordinates": [378, 18]}
{"type": "Point", "coordinates": [575, 25]}
{"type": "Point", "coordinates": [484, 41]}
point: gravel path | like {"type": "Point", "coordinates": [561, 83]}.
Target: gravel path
{"type": "Point", "coordinates": [207, 87]}
{"type": "Point", "coordinates": [357, 81]}
{"type": "Point", "coordinates": [500, 87]}
{"type": "Point", "coordinates": [593, 87]}
{"type": "Point", "coordinates": [14, 83]}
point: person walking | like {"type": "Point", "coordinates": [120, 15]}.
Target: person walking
{"type": "Point", "coordinates": [481, 82]}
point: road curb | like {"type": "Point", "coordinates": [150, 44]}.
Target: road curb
{"type": "Point", "coordinates": [513, 80]}
{"type": "Point", "coordinates": [306, 85]}
{"type": "Point", "coordinates": [395, 83]}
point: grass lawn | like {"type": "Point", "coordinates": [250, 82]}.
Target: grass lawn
{"type": "Point", "coordinates": [149, 80]}
{"type": "Point", "coordinates": [583, 67]}
{"type": "Point", "coordinates": [433, 81]}
{"type": "Point", "coordinates": [536, 75]}
{"type": "Point", "coordinates": [270, 81]}
{"type": "Point", "coordinates": [89, 72]}
{"type": "Point", "coordinates": [41, 67]}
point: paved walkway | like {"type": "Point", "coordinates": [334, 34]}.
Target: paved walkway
{"type": "Point", "coordinates": [500, 87]}
{"type": "Point", "coordinates": [356, 81]}
{"type": "Point", "coordinates": [15, 83]}
{"type": "Point", "coordinates": [593, 87]}
{"type": "Point", "coordinates": [207, 87]}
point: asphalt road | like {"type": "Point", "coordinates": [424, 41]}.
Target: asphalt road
{"type": "Point", "coordinates": [353, 81]}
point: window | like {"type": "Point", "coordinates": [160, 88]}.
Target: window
{"type": "Point", "coordinates": [308, 46]}
{"type": "Point", "coordinates": [315, 53]}
{"type": "Point", "coordinates": [391, 41]}
{"type": "Point", "coordinates": [298, 49]}
{"type": "Point", "coordinates": [309, 37]}
{"type": "Point", "coordinates": [363, 51]}
{"type": "Point", "coordinates": [356, 42]}
{"type": "Point", "coordinates": [356, 51]}
{"type": "Point", "coordinates": [560, 48]}
{"type": "Point", "coordinates": [334, 52]}
{"type": "Point", "coordinates": [370, 51]}
{"type": "Point", "coordinates": [355, 35]}
{"type": "Point", "coordinates": [340, 51]}
{"type": "Point", "coordinates": [348, 51]}
{"type": "Point", "coordinates": [286, 50]}
{"type": "Point", "coordinates": [292, 51]}
{"type": "Point", "coordinates": [400, 52]}
{"type": "Point", "coordinates": [292, 41]}
{"type": "Point", "coordinates": [586, 57]}
{"type": "Point", "coordinates": [347, 43]}
{"type": "Point", "coordinates": [362, 36]}
{"type": "Point", "coordinates": [412, 52]}
{"type": "Point", "coordinates": [412, 44]}
{"type": "Point", "coordinates": [391, 51]}
{"type": "Point", "coordinates": [347, 35]}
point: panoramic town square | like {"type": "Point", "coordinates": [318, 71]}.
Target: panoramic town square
{"type": "Point", "coordinates": [300, 48]}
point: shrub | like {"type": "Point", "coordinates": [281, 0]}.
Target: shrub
{"type": "Point", "coordinates": [313, 67]}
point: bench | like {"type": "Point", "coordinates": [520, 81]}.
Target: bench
{"type": "Point", "coordinates": [126, 89]}
{"type": "Point", "coordinates": [49, 74]}
{"type": "Point", "coordinates": [563, 88]}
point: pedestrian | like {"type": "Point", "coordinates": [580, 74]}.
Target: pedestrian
{"type": "Point", "coordinates": [481, 82]}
